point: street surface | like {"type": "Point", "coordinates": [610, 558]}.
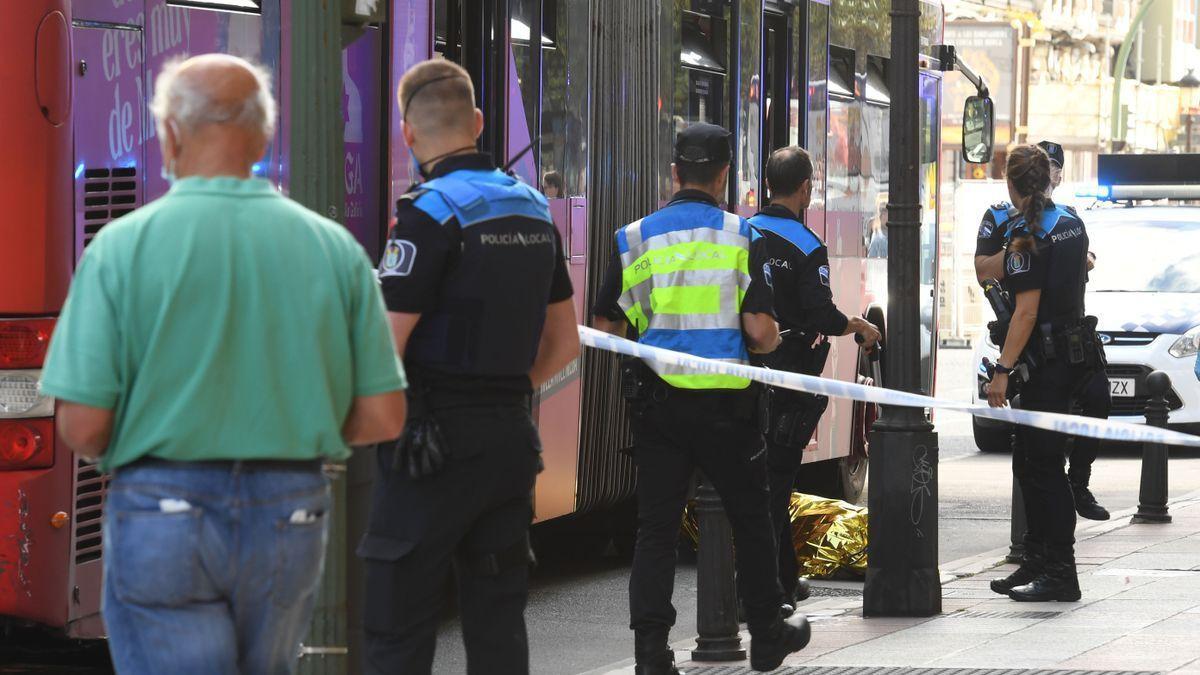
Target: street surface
{"type": "Point", "coordinates": [578, 605]}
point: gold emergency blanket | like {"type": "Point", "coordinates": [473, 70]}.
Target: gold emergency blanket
{"type": "Point", "coordinates": [830, 535]}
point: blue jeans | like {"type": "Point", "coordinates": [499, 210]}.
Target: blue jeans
{"type": "Point", "coordinates": [212, 568]}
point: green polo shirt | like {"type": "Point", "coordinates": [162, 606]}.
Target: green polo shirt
{"type": "Point", "coordinates": [223, 321]}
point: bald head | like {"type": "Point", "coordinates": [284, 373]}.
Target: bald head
{"type": "Point", "coordinates": [215, 115]}
{"type": "Point", "coordinates": [214, 89]}
{"type": "Point", "coordinates": [437, 97]}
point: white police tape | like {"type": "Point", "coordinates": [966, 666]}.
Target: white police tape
{"type": "Point", "coordinates": [1067, 424]}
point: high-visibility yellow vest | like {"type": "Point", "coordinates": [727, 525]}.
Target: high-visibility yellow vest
{"type": "Point", "coordinates": [685, 270]}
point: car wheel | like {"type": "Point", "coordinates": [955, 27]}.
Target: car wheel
{"type": "Point", "coordinates": [992, 438]}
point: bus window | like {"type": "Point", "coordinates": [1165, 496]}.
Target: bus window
{"type": "Point", "coordinates": [250, 6]}
{"type": "Point", "coordinates": [818, 107]}
{"type": "Point", "coordinates": [701, 53]}
{"type": "Point", "coordinates": [564, 95]}
{"type": "Point", "coordinates": [775, 77]}
{"type": "Point", "coordinates": [843, 186]}
{"type": "Point", "coordinates": [528, 69]}
{"type": "Point", "coordinates": [876, 134]}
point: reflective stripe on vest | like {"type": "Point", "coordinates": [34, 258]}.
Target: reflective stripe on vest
{"type": "Point", "coordinates": [685, 271]}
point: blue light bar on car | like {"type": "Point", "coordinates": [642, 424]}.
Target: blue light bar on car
{"type": "Point", "coordinates": [1095, 191]}
{"type": "Point", "coordinates": [1174, 176]}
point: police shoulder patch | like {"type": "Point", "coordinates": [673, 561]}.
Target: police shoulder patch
{"type": "Point", "coordinates": [823, 273]}
{"type": "Point", "coordinates": [398, 258]}
{"type": "Point", "coordinates": [986, 228]}
{"type": "Point", "coordinates": [1018, 263]}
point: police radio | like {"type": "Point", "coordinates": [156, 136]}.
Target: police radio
{"type": "Point", "coordinates": [1002, 305]}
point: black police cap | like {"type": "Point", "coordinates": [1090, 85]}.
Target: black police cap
{"type": "Point", "coordinates": [1054, 150]}
{"type": "Point", "coordinates": [700, 143]}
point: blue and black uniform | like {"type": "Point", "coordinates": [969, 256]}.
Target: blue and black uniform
{"type": "Point", "coordinates": [1056, 265]}
{"type": "Point", "coordinates": [795, 262]}
{"type": "Point", "coordinates": [995, 231]}
{"type": "Point", "coordinates": [476, 254]}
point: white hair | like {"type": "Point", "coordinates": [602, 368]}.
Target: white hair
{"type": "Point", "coordinates": [190, 106]}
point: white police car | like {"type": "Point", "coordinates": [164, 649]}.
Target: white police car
{"type": "Point", "coordinates": [1145, 291]}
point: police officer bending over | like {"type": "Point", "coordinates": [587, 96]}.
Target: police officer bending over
{"type": "Point", "coordinates": [480, 306]}
{"type": "Point", "coordinates": [1046, 270]}
{"type": "Point", "coordinates": [681, 277]}
{"type": "Point", "coordinates": [1095, 401]}
{"type": "Point", "coordinates": [795, 263]}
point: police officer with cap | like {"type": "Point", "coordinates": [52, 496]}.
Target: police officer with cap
{"type": "Point", "coordinates": [1095, 400]}
{"type": "Point", "coordinates": [480, 306]}
{"type": "Point", "coordinates": [682, 279]}
{"type": "Point", "coordinates": [795, 263]}
{"type": "Point", "coordinates": [1046, 271]}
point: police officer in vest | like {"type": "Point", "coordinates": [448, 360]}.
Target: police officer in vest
{"type": "Point", "coordinates": [1095, 401]}
{"type": "Point", "coordinates": [480, 306]}
{"type": "Point", "coordinates": [1045, 268]}
{"type": "Point", "coordinates": [681, 278]}
{"type": "Point", "coordinates": [795, 263]}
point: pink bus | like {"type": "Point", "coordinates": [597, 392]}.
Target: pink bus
{"type": "Point", "coordinates": [575, 88]}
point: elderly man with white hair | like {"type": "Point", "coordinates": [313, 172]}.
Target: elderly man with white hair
{"type": "Point", "coordinates": [217, 346]}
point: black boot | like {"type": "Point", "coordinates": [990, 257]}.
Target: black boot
{"type": "Point", "coordinates": [1058, 582]}
{"type": "Point", "coordinates": [803, 590]}
{"type": "Point", "coordinates": [1086, 505]}
{"type": "Point", "coordinates": [658, 668]}
{"type": "Point", "coordinates": [652, 655]}
{"type": "Point", "coordinates": [1032, 563]}
{"type": "Point", "coordinates": [768, 649]}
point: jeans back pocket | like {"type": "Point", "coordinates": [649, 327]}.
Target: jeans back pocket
{"type": "Point", "coordinates": [299, 552]}
{"type": "Point", "coordinates": [154, 558]}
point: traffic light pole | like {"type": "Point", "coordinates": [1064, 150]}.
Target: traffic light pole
{"type": "Point", "coordinates": [902, 549]}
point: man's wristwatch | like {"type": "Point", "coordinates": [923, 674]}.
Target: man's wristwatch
{"type": "Point", "coordinates": [1002, 369]}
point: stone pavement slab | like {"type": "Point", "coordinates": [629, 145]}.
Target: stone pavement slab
{"type": "Point", "coordinates": [1140, 612]}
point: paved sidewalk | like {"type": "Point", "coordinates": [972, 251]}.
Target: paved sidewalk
{"type": "Point", "coordinates": [1140, 612]}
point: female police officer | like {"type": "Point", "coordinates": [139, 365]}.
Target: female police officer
{"type": "Point", "coordinates": [1045, 269]}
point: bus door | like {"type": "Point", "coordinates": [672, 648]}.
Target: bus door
{"type": "Point", "coordinates": [108, 121]}
{"type": "Point", "coordinates": [475, 34]}
{"type": "Point", "coordinates": [778, 67]}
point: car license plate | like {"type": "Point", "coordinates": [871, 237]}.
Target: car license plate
{"type": "Point", "coordinates": [1121, 387]}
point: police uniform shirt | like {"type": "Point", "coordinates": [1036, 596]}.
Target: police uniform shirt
{"type": "Point", "coordinates": [994, 228]}
{"type": "Point", "coordinates": [421, 258]}
{"type": "Point", "coordinates": [795, 262]}
{"type": "Point", "coordinates": [1057, 264]}
{"type": "Point", "coordinates": [756, 301]}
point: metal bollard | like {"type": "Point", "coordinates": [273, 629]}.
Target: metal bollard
{"type": "Point", "coordinates": [1152, 498]}
{"type": "Point", "coordinates": [716, 597]}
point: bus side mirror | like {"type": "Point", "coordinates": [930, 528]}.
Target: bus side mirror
{"type": "Point", "coordinates": [977, 130]}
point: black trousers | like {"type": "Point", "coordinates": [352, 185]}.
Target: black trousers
{"type": "Point", "coordinates": [1094, 401]}
{"type": "Point", "coordinates": [783, 464]}
{"type": "Point", "coordinates": [1039, 460]}
{"type": "Point", "coordinates": [672, 438]}
{"type": "Point", "coordinates": [471, 519]}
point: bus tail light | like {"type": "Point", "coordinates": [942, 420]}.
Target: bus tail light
{"type": "Point", "coordinates": [23, 342]}
{"type": "Point", "coordinates": [19, 395]}
{"type": "Point", "coordinates": [26, 444]}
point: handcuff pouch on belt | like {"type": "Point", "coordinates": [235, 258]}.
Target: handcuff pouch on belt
{"type": "Point", "coordinates": [789, 416]}
{"type": "Point", "coordinates": [421, 450]}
